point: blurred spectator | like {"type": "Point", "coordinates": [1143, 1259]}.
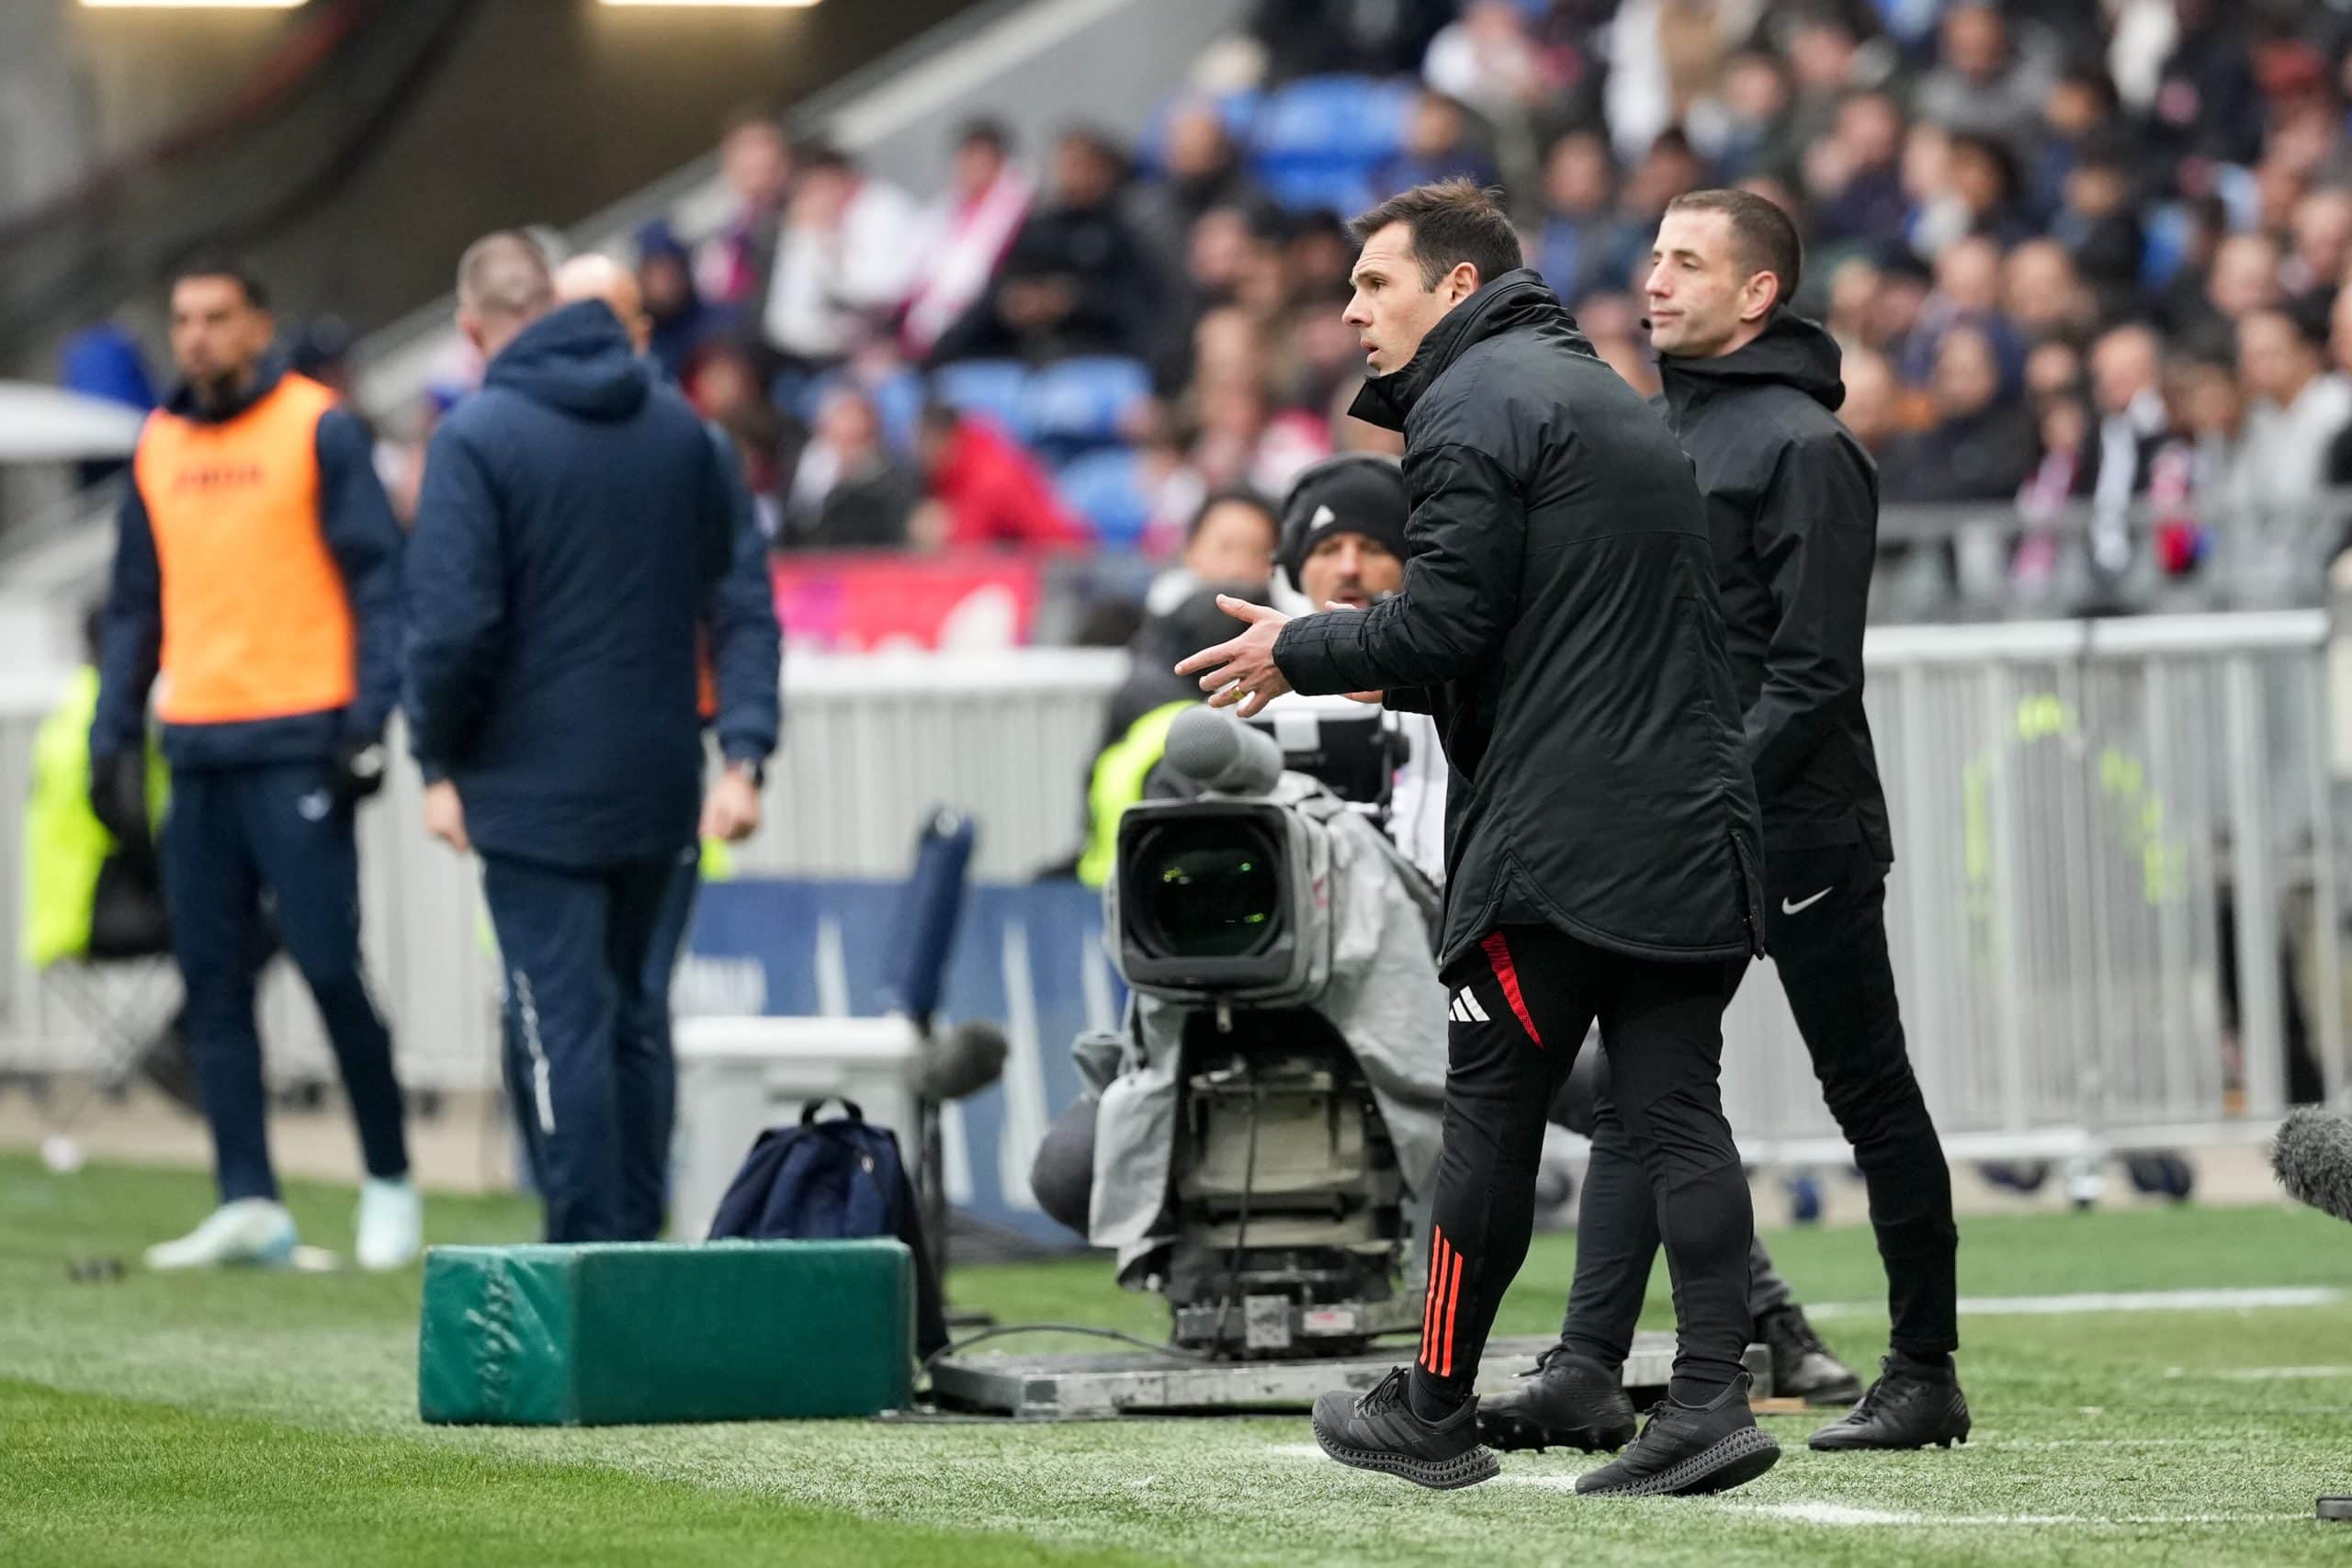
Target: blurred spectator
{"type": "Point", "coordinates": [2207, 105]}
{"type": "Point", "coordinates": [104, 361]}
{"type": "Point", "coordinates": [724, 383]}
{"type": "Point", "coordinates": [1982, 85]}
{"type": "Point", "coordinates": [1438, 145]}
{"type": "Point", "coordinates": [2295, 410]}
{"type": "Point", "coordinates": [1981, 445]}
{"type": "Point", "coordinates": [2041, 295]}
{"type": "Point", "coordinates": [848, 492]}
{"type": "Point", "coordinates": [2339, 344]}
{"type": "Point", "coordinates": [2321, 245]}
{"type": "Point", "coordinates": [845, 258]}
{"type": "Point", "coordinates": [1614, 321]}
{"type": "Point", "coordinates": [2099, 228]}
{"type": "Point", "coordinates": [1383, 37]}
{"type": "Point", "coordinates": [755, 162]}
{"type": "Point", "coordinates": [1203, 171]}
{"type": "Point", "coordinates": [2208, 410]}
{"type": "Point", "coordinates": [2133, 425]}
{"type": "Point", "coordinates": [1667, 171]}
{"type": "Point", "coordinates": [1075, 281]}
{"type": "Point", "coordinates": [1490, 60]}
{"type": "Point", "coordinates": [965, 235]}
{"type": "Point", "coordinates": [1583, 244]}
{"type": "Point", "coordinates": [982, 489]}
{"type": "Point", "coordinates": [2244, 278]}
{"type": "Point", "coordinates": [2080, 103]}
{"type": "Point", "coordinates": [1231, 539]}
{"type": "Point", "coordinates": [1967, 293]}
{"type": "Point", "coordinates": [1854, 176]}
{"type": "Point", "coordinates": [1739, 127]}
{"type": "Point", "coordinates": [673, 304]}
{"type": "Point", "coordinates": [1982, 174]}
{"type": "Point", "coordinates": [1871, 408]}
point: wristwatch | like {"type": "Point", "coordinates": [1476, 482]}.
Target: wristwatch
{"type": "Point", "coordinates": [757, 771]}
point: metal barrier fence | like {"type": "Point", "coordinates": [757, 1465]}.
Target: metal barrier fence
{"type": "Point", "coordinates": [2078, 807]}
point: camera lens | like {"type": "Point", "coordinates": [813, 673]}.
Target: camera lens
{"type": "Point", "coordinates": [1207, 889]}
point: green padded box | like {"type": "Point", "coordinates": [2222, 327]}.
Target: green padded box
{"type": "Point", "coordinates": [716, 1331]}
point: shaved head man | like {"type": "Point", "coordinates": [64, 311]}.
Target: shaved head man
{"type": "Point", "coordinates": [503, 285]}
{"type": "Point", "coordinates": [594, 276]}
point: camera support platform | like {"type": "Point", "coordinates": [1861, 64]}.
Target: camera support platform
{"type": "Point", "coordinates": [1084, 1388]}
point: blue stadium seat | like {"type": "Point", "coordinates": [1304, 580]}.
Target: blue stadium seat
{"type": "Point", "coordinates": [994, 388]}
{"type": "Point", "coordinates": [1341, 120]}
{"type": "Point", "coordinates": [1106, 488]}
{"type": "Point", "coordinates": [1343, 188]}
{"type": "Point", "coordinates": [1317, 142]}
{"type": "Point", "coordinates": [1077, 405]}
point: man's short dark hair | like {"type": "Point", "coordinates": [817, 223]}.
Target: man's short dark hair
{"type": "Point", "coordinates": [1450, 222]}
{"type": "Point", "coordinates": [1234, 495]}
{"type": "Point", "coordinates": [220, 263]}
{"type": "Point", "coordinates": [1763, 237]}
{"type": "Point", "coordinates": [752, 117]}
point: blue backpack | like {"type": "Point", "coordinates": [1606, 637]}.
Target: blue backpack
{"type": "Point", "coordinates": [833, 1181]}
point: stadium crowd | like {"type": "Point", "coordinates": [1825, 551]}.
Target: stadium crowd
{"type": "Point", "coordinates": [2082, 259]}
{"type": "Point", "coordinates": [2072, 252]}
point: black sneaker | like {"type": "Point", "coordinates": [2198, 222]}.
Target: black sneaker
{"type": "Point", "coordinates": [1380, 1431]}
{"type": "Point", "coordinates": [1803, 1367]}
{"type": "Point", "coordinates": [1905, 1409]}
{"type": "Point", "coordinates": [1686, 1450]}
{"type": "Point", "coordinates": [1569, 1401]}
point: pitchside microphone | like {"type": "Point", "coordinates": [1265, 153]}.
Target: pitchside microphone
{"type": "Point", "coordinates": [964, 1061]}
{"type": "Point", "coordinates": [2312, 1158]}
{"type": "Point", "coordinates": [1218, 751]}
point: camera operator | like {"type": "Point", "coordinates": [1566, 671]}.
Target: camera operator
{"type": "Point", "coordinates": [1559, 619]}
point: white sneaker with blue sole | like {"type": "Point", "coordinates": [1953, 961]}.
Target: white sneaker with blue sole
{"type": "Point", "coordinates": [391, 1222]}
{"type": "Point", "coordinates": [251, 1231]}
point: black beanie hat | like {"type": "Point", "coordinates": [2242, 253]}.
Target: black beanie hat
{"type": "Point", "coordinates": [1357, 492]}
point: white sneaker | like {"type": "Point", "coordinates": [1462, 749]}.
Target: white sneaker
{"type": "Point", "coordinates": [391, 1222]}
{"type": "Point", "coordinates": [250, 1230]}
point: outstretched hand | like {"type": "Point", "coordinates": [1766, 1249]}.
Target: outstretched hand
{"type": "Point", "coordinates": [1242, 671]}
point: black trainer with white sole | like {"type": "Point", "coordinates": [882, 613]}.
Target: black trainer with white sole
{"type": "Point", "coordinates": [1690, 1450]}
{"type": "Point", "coordinates": [1380, 1431]}
{"type": "Point", "coordinates": [1906, 1408]}
{"type": "Point", "coordinates": [1569, 1401]}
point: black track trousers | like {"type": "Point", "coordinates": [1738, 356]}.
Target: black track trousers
{"type": "Point", "coordinates": [1521, 1000]}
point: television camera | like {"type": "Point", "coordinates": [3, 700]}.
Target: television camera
{"type": "Point", "coordinates": [1274, 1103]}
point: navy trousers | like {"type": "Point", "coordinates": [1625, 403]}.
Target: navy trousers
{"type": "Point", "coordinates": [234, 836]}
{"type": "Point", "coordinates": [593, 1091]}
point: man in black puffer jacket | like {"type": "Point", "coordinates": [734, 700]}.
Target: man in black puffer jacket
{"type": "Point", "coordinates": [1559, 619]}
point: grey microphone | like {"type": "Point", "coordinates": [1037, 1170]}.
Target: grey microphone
{"type": "Point", "coordinates": [964, 1061]}
{"type": "Point", "coordinates": [2312, 1158]}
{"type": "Point", "coordinates": [1218, 751]}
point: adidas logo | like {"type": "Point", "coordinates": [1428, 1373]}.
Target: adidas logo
{"type": "Point", "coordinates": [1466, 1008]}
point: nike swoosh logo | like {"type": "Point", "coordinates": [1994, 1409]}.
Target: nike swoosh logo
{"type": "Point", "coordinates": [1803, 905]}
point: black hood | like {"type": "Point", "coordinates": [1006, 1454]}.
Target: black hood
{"type": "Point", "coordinates": [184, 402]}
{"type": "Point", "coordinates": [1789, 352]}
{"type": "Point", "coordinates": [1517, 299]}
{"type": "Point", "coordinates": [577, 359]}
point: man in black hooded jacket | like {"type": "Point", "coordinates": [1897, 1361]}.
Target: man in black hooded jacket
{"type": "Point", "coordinates": [1793, 502]}
{"type": "Point", "coordinates": [1558, 618]}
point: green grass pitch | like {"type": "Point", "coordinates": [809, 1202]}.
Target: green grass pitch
{"type": "Point", "coordinates": [249, 1419]}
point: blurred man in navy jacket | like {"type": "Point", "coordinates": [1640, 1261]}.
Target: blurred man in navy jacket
{"type": "Point", "coordinates": [575, 520]}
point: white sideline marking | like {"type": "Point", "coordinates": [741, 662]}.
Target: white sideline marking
{"type": "Point", "coordinates": [2225, 1300]}
{"type": "Point", "coordinates": [1841, 1515]}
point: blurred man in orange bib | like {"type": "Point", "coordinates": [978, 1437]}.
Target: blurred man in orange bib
{"type": "Point", "coordinates": [256, 593]}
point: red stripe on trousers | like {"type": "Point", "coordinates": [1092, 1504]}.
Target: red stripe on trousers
{"type": "Point", "coordinates": [1454, 1288]}
{"type": "Point", "coordinates": [1498, 954]}
{"type": "Point", "coordinates": [1429, 1302]}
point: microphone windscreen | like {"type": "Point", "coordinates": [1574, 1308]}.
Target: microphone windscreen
{"type": "Point", "coordinates": [2312, 1158]}
{"type": "Point", "coordinates": [1218, 751]}
{"type": "Point", "coordinates": [964, 1061]}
